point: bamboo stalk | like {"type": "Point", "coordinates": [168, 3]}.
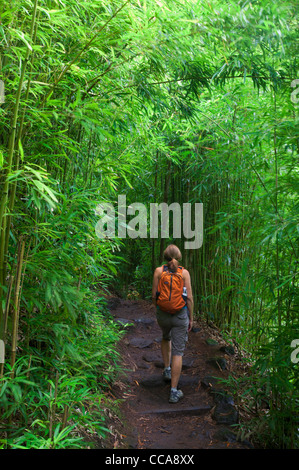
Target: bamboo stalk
{"type": "Point", "coordinates": [165, 199]}
{"type": "Point", "coordinates": [52, 408]}
{"type": "Point", "coordinates": [16, 305]}
{"type": "Point", "coordinates": [29, 365]}
{"type": "Point", "coordinates": [4, 326]}
{"type": "Point", "coordinates": [155, 196]}
{"type": "Point", "coordinates": [276, 210]}
{"type": "Point", "coordinates": [11, 148]}
{"type": "Point", "coordinates": [65, 416]}
{"type": "Point", "coordinates": [50, 416]}
{"type": "Point", "coordinates": [19, 139]}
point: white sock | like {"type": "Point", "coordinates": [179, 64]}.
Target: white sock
{"type": "Point", "coordinates": [173, 389]}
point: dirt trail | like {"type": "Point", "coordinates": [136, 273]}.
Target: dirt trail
{"type": "Point", "coordinates": [201, 420]}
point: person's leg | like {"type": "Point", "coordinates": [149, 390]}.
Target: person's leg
{"type": "Point", "coordinates": [176, 368]}
{"type": "Point", "coordinates": [165, 325]}
{"type": "Point", "coordinates": [166, 352]}
{"type": "Point", "coordinates": [179, 334]}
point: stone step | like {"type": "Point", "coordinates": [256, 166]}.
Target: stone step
{"type": "Point", "coordinates": [174, 411]}
{"type": "Point", "coordinates": [157, 381]}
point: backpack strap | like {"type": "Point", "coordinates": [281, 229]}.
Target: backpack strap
{"type": "Point", "coordinates": [179, 271]}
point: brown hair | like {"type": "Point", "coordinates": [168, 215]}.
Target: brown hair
{"type": "Point", "coordinates": [170, 253]}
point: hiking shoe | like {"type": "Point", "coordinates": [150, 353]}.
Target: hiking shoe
{"type": "Point", "coordinates": [175, 396]}
{"type": "Point", "coordinates": [167, 375]}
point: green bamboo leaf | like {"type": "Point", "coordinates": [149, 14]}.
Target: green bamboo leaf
{"type": "Point", "coordinates": [21, 150]}
{"type": "Point", "coordinates": [42, 187]}
{"type": "Point", "coordinates": [21, 36]}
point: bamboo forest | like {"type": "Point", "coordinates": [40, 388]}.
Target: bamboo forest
{"type": "Point", "coordinates": [109, 109]}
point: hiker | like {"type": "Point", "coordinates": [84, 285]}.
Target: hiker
{"type": "Point", "coordinates": [172, 295]}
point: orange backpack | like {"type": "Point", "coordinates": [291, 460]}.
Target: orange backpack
{"type": "Point", "coordinates": [170, 290]}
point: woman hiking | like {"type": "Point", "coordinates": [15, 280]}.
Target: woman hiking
{"type": "Point", "coordinates": [174, 315]}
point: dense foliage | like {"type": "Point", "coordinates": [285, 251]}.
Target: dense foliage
{"type": "Point", "coordinates": [161, 102]}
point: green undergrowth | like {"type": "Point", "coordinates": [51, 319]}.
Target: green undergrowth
{"type": "Point", "coordinates": [265, 393]}
{"type": "Point", "coordinates": [56, 395]}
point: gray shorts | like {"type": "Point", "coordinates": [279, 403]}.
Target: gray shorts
{"type": "Point", "coordinates": [175, 329]}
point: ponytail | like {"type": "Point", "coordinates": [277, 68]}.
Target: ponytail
{"type": "Point", "coordinates": [172, 254]}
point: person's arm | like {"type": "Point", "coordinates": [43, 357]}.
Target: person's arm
{"type": "Point", "coordinates": [187, 280]}
{"type": "Point", "coordinates": [155, 285]}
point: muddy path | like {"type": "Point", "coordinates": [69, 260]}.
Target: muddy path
{"type": "Point", "coordinates": [203, 418]}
